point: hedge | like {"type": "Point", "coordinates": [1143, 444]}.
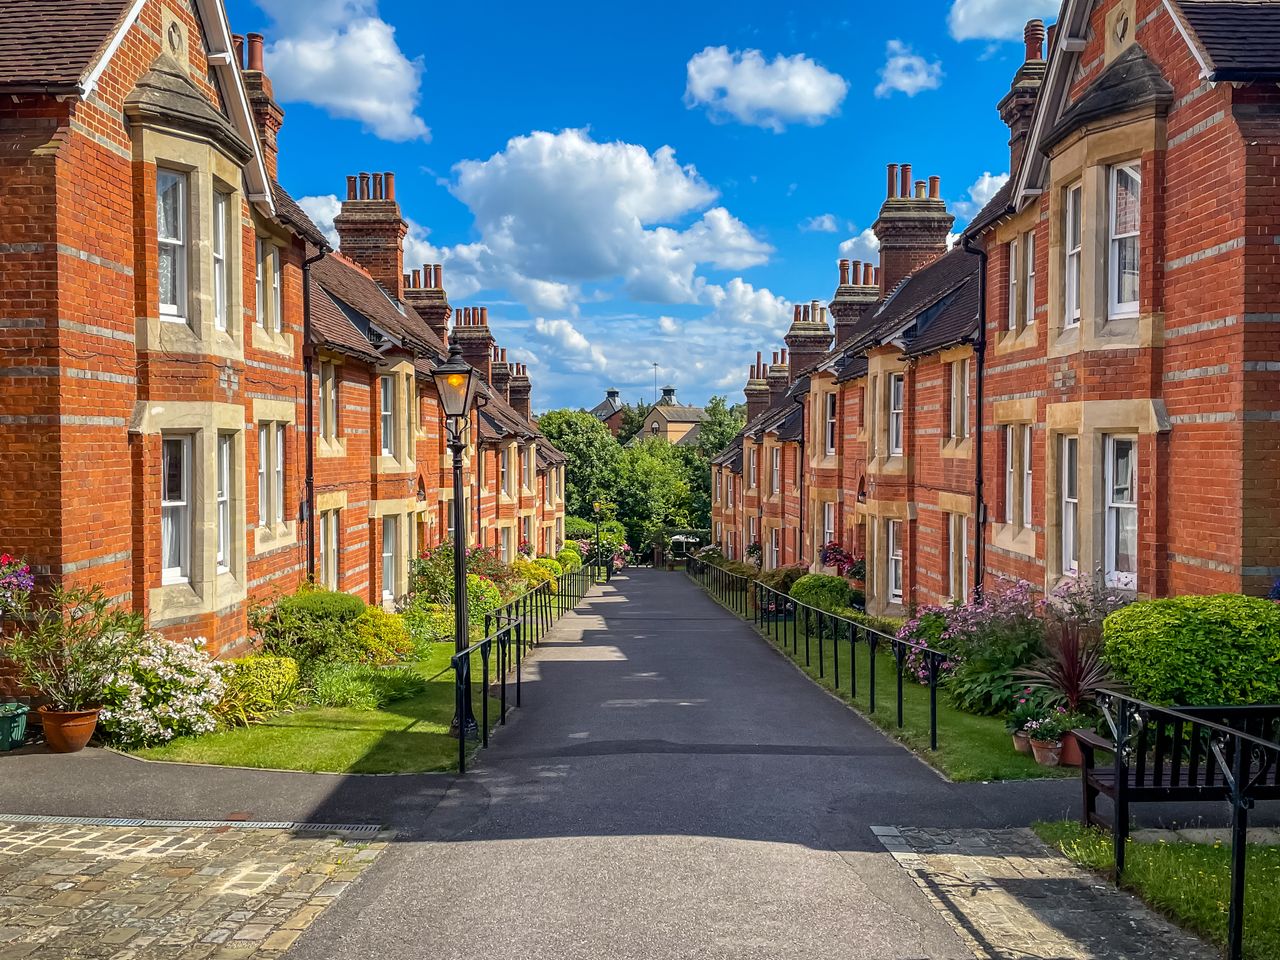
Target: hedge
{"type": "Point", "coordinates": [822, 591]}
{"type": "Point", "coordinates": [1197, 651]}
{"type": "Point", "coordinates": [256, 687]}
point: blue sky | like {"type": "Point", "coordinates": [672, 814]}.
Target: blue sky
{"type": "Point", "coordinates": [625, 185]}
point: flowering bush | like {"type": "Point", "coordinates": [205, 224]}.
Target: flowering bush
{"type": "Point", "coordinates": [925, 629]}
{"type": "Point", "coordinates": [16, 583]}
{"type": "Point", "coordinates": [1028, 705]}
{"type": "Point", "coordinates": [483, 597]}
{"type": "Point", "coordinates": [166, 689]}
{"type": "Point", "coordinates": [755, 553]}
{"type": "Point", "coordinates": [525, 549]}
{"type": "Point", "coordinates": [1085, 601]}
{"type": "Point", "coordinates": [432, 572]}
{"type": "Point", "coordinates": [846, 564]}
{"type": "Point", "coordinates": [534, 575]}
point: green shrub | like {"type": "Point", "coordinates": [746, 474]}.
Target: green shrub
{"type": "Point", "coordinates": [257, 687]}
{"type": "Point", "coordinates": [782, 579]}
{"type": "Point", "coordinates": [1197, 651]}
{"type": "Point", "coordinates": [740, 569]}
{"type": "Point", "coordinates": [571, 560]}
{"type": "Point", "coordinates": [554, 567]}
{"type": "Point", "coordinates": [483, 597]}
{"type": "Point", "coordinates": [886, 625]}
{"type": "Point", "coordinates": [821, 591]}
{"type": "Point", "coordinates": [533, 574]}
{"type": "Point", "coordinates": [361, 687]}
{"type": "Point", "coordinates": [311, 626]}
{"type": "Point", "coordinates": [326, 604]}
{"type": "Point", "coordinates": [576, 528]}
{"type": "Point", "coordinates": [427, 622]}
{"type": "Point", "coordinates": [382, 638]}
{"type": "Point", "coordinates": [858, 598]}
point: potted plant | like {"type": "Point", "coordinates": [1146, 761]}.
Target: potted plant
{"type": "Point", "coordinates": [69, 650]}
{"type": "Point", "coordinates": [1071, 673]}
{"type": "Point", "coordinates": [1045, 734]}
{"type": "Point", "coordinates": [1026, 707]}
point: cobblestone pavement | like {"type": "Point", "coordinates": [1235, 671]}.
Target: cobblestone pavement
{"type": "Point", "coordinates": [1009, 896]}
{"type": "Point", "coordinates": [80, 892]}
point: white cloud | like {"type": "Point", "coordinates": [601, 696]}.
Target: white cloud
{"type": "Point", "coordinates": [907, 72]}
{"type": "Point", "coordinates": [576, 350]}
{"type": "Point", "coordinates": [668, 325]}
{"type": "Point", "coordinates": [824, 223]}
{"type": "Point", "coordinates": [738, 303]}
{"type": "Point", "coordinates": [865, 247]}
{"type": "Point", "coordinates": [340, 56]}
{"type": "Point", "coordinates": [322, 210]}
{"type": "Point", "coordinates": [980, 192]}
{"type": "Point", "coordinates": [770, 94]}
{"type": "Point", "coordinates": [996, 19]}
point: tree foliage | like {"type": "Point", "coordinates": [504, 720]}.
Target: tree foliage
{"type": "Point", "coordinates": [593, 457]}
{"type": "Point", "coordinates": [723, 423]}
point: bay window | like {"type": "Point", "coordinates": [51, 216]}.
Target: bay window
{"type": "Point", "coordinates": [828, 524]}
{"type": "Point", "coordinates": [1121, 491]}
{"type": "Point", "coordinates": [221, 298]}
{"type": "Point", "coordinates": [957, 556]}
{"type": "Point", "coordinates": [171, 244]}
{"type": "Point", "coordinates": [223, 497]}
{"type": "Point", "coordinates": [264, 458]}
{"type": "Point", "coordinates": [1026, 475]}
{"type": "Point", "coordinates": [751, 478]}
{"type": "Point", "coordinates": [897, 390]}
{"type": "Point", "coordinates": [260, 282]}
{"type": "Point", "coordinates": [330, 538]}
{"type": "Point", "coordinates": [1070, 507]}
{"type": "Point", "coordinates": [1072, 240]}
{"type": "Point", "coordinates": [775, 549]}
{"type": "Point", "coordinates": [1010, 447]}
{"type": "Point", "coordinates": [175, 509]}
{"type": "Point", "coordinates": [893, 553]}
{"type": "Point", "coordinates": [277, 495]}
{"type": "Point", "coordinates": [1029, 294]}
{"type": "Point", "coordinates": [277, 312]}
{"type": "Point", "coordinates": [1123, 255]}
{"type": "Point", "coordinates": [504, 469]}
{"type": "Point", "coordinates": [328, 400]}
{"type": "Point", "coordinates": [776, 480]}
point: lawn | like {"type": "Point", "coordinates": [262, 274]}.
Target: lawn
{"type": "Point", "coordinates": [407, 736]}
{"type": "Point", "coordinates": [1188, 882]}
{"type": "Point", "coordinates": [969, 747]}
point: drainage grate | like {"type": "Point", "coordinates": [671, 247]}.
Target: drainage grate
{"type": "Point", "coordinates": [355, 829]}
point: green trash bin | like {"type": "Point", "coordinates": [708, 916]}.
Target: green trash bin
{"type": "Point", "coordinates": [13, 725]}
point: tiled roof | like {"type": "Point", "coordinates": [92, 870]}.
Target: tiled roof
{"type": "Point", "coordinates": [995, 208]}
{"type": "Point", "coordinates": [679, 413]}
{"type": "Point", "coordinates": [294, 217]}
{"type": "Point", "coordinates": [351, 287]}
{"type": "Point", "coordinates": [54, 42]}
{"type": "Point", "coordinates": [955, 321]}
{"type": "Point", "coordinates": [606, 408]}
{"type": "Point", "coordinates": [1241, 39]}
{"type": "Point", "coordinates": [690, 439]}
{"type": "Point", "coordinates": [331, 326]}
{"type": "Point", "coordinates": [1131, 80]}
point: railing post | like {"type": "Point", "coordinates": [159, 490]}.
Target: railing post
{"type": "Point", "coordinates": [1240, 805]}
{"type": "Point", "coordinates": [519, 658]}
{"type": "Point", "coordinates": [485, 650]}
{"type": "Point", "coordinates": [806, 634]}
{"type": "Point", "coordinates": [459, 707]}
{"type": "Point", "coordinates": [504, 664]}
{"type": "Point", "coordinates": [899, 653]}
{"type": "Point", "coordinates": [853, 660]}
{"type": "Point", "coordinates": [935, 664]}
{"type": "Point", "coordinates": [873, 641]}
{"type": "Point", "coordinates": [1120, 818]}
{"type": "Point", "coordinates": [822, 626]}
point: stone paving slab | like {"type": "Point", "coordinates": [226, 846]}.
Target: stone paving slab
{"type": "Point", "coordinates": [84, 892]}
{"type": "Point", "coordinates": [1010, 897]}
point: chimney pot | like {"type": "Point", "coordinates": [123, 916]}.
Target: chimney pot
{"type": "Point", "coordinates": [784, 355]}
{"type": "Point", "coordinates": [868, 275]}
{"type": "Point", "coordinates": [906, 180]}
{"type": "Point", "coordinates": [377, 186]}
{"type": "Point", "coordinates": [935, 188]}
{"type": "Point", "coordinates": [364, 186]}
{"type": "Point", "coordinates": [804, 314]}
{"type": "Point", "coordinates": [775, 358]}
{"type": "Point", "coordinates": [484, 316]}
{"type": "Point", "coordinates": [417, 280]}
{"type": "Point", "coordinates": [855, 272]}
{"type": "Point", "coordinates": [438, 280]}
{"type": "Point", "coordinates": [875, 276]}
{"type": "Point", "coordinates": [502, 354]}
{"type": "Point", "coordinates": [351, 188]}
{"type": "Point", "coordinates": [1034, 36]}
{"type": "Point", "coordinates": [921, 188]}
{"type": "Point", "coordinates": [389, 181]}
{"type": "Point", "coordinates": [255, 51]}
{"type": "Point", "coordinates": [237, 43]}
{"type": "Point", "coordinates": [408, 281]}
{"type": "Point", "coordinates": [893, 181]}
{"type": "Point", "coordinates": [1051, 33]}
{"type": "Point", "coordinates": [844, 272]}
{"type": "Point", "coordinates": [798, 314]}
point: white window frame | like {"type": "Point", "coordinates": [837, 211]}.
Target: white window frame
{"type": "Point", "coordinates": [330, 538]}
{"type": "Point", "coordinates": [387, 415]}
{"type": "Point", "coordinates": [390, 538]}
{"type": "Point", "coordinates": [176, 244]}
{"type": "Point", "coordinates": [1072, 242]}
{"type": "Point", "coordinates": [897, 407]}
{"type": "Point", "coordinates": [957, 557]}
{"type": "Point", "coordinates": [775, 549]}
{"type": "Point", "coordinates": [1029, 294]}
{"type": "Point", "coordinates": [328, 399]}
{"type": "Point", "coordinates": [1070, 502]}
{"type": "Point", "coordinates": [277, 492]}
{"type": "Point", "coordinates": [264, 458]}
{"type": "Point", "coordinates": [277, 306]}
{"type": "Point", "coordinates": [176, 512]}
{"type": "Point", "coordinates": [893, 557]}
{"type": "Point", "coordinates": [960, 399]}
{"type": "Point", "coordinates": [1126, 580]}
{"type": "Point", "coordinates": [754, 467]}
{"type": "Point", "coordinates": [530, 458]}
{"type": "Point", "coordinates": [719, 484]}
{"type": "Point", "coordinates": [830, 433]}
{"type": "Point", "coordinates": [1117, 308]}
{"type": "Point", "coordinates": [1011, 321]}
{"type": "Point", "coordinates": [221, 287]}
{"type": "Point", "coordinates": [776, 470]}
{"type": "Point", "coordinates": [222, 494]}
{"type": "Point", "coordinates": [828, 524]}
{"type": "Point", "coordinates": [260, 282]}
{"type": "Point", "coordinates": [504, 469]}
{"type": "Point", "coordinates": [1027, 441]}
{"type": "Point", "coordinates": [1010, 466]}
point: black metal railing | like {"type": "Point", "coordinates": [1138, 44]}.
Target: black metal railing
{"type": "Point", "coordinates": [792, 623]}
{"type": "Point", "coordinates": [511, 632]}
{"type": "Point", "coordinates": [1227, 753]}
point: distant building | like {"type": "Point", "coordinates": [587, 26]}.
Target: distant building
{"type": "Point", "coordinates": [672, 420]}
{"type": "Point", "coordinates": [609, 411]}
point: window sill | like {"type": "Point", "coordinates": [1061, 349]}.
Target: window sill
{"type": "Point", "coordinates": [1013, 538]}
{"type": "Point", "coordinates": [1010, 341]}
{"type": "Point", "coordinates": [274, 536]}
{"type": "Point", "coordinates": [337, 447]}
{"type": "Point", "coordinates": [958, 449]}
{"type": "Point", "coordinates": [384, 464]}
{"type": "Point", "coordinates": [173, 318]}
{"type": "Point", "coordinates": [270, 341]}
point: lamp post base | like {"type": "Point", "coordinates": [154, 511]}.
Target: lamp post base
{"type": "Point", "coordinates": [470, 729]}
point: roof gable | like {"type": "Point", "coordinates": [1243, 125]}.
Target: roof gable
{"type": "Point", "coordinates": [1240, 39]}
{"type": "Point", "coordinates": [1130, 81]}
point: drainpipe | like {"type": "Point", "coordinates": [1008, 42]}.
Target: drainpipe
{"type": "Point", "coordinates": [308, 364]}
{"type": "Point", "coordinates": [979, 355]}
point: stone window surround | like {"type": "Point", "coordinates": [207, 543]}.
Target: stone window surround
{"type": "Point", "coordinates": [332, 501]}
{"type": "Point", "coordinates": [958, 447]}
{"type": "Point", "coordinates": [880, 369]}
{"type": "Point", "coordinates": [1026, 336]}
{"type": "Point", "coordinates": [273, 535]}
{"type": "Point", "coordinates": [1092, 421]}
{"type": "Point", "coordinates": [1014, 536]}
{"type": "Point", "coordinates": [404, 393]}
{"type": "Point", "coordinates": [335, 446]}
{"type": "Point", "coordinates": [874, 515]}
{"type": "Point", "coordinates": [1087, 158]}
{"type": "Point", "coordinates": [273, 339]}
{"type": "Point", "coordinates": [405, 510]}
{"type": "Point", "coordinates": [207, 589]}
{"type": "Point", "coordinates": [207, 169]}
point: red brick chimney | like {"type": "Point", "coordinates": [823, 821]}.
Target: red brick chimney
{"type": "Point", "coordinates": [809, 338]}
{"type": "Point", "coordinates": [520, 390]}
{"type": "Point", "coordinates": [471, 333]}
{"type": "Point", "coordinates": [912, 227]}
{"type": "Point", "coordinates": [372, 231]}
{"type": "Point", "coordinates": [267, 115]}
{"type": "Point", "coordinates": [500, 373]}
{"type": "Point", "coordinates": [1019, 104]}
{"type": "Point", "coordinates": [424, 291]}
{"type": "Point", "coordinates": [757, 389]}
{"type": "Point", "coordinates": [856, 297]}
{"type": "Point", "coordinates": [778, 376]}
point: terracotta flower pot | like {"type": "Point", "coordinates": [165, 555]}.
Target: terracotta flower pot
{"type": "Point", "coordinates": [67, 731]}
{"type": "Point", "coordinates": [1021, 742]}
{"type": "Point", "coordinates": [1070, 756]}
{"type": "Point", "coordinates": [1047, 752]}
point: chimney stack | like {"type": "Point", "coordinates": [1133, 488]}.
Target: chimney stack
{"type": "Point", "coordinates": [855, 299]}
{"type": "Point", "coordinates": [1019, 104]}
{"type": "Point", "coordinates": [500, 373]}
{"type": "Point", "coordinates": [809, 338]}
{"type": "Point", "coordinates": [520, 390]}
{"type": "Point", "coordinates": [371, 231]}
{"type": "Point", "coordinates": [267, 115]}
{"type": "Point", "coordinates": [912, 229]}
{"type": "Point", "coordinates": [757, 390]}
{"type": "Point", "coordinates": [778, 377]}
{"type": "Point", "coordinates": [472, 334]}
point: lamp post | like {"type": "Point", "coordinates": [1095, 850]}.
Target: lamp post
{"type": "Point", "coordinates": [595, 507]}
{"type": "Point", "coordinates": [456, 386]}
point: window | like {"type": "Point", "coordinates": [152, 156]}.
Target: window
{"type": "Point", "coordinates": [223, 495]}
{"type": "Point", "coordinates": [719, 485]}
{"type": "Point", "coordinates": [387, 415]}
{"type": "Point", "coordinates": [754, 468]}
{"type": "Point", "coordinates": [504, 469]}
{"type": "Point", "coordinates": [171, 243]}
{"type": "Point", "coordinates": [1013, 286]}
{"type": "Point", "coordinates": [1010, 448]}
{"type": "Point", "coordinates": [260, 283]}
{"type": "Point", "coordinates": [221, 208]}
{"type": "Point", "coordinates": [896, 391]}
{"type": "Point", "coordinates": [1072, 235]}
{"type": "Point", "coordinates": [751, 531]}
{"type": "Point", "coordinates": [1026, 475]}
{"type": "Point", "coordinates": [175, 509]}
{"type": "Point", "coordinates": [776, 479]}
{"type": "Point", "coordinates": [960, 399]}
{"type": "Point", "coordinates": [1070, 456]}
{"type": "Point", "coordinates": [390, 532]}
{"type": "Point", "coordinates": [775, 549]}
{"type": "Point", "coordinates": [264, 457]}
{"type": "Point", "coordinates": [529, 460]}
{"type": "Point", "coordinates": [1124, 256]}
{"type": "Point", "coordinates": [1029, 295]}
{"type": "Point", "coordinates": [277, 313]}
{"type": "Point", "coordinates": [828, 524]}
{"type": "Point", "coordinates": [893, 539]}
{"type": "Point", "coordinates": [830, 435]}
{"type": "Point", "coordinates": [1122, 512]}
{"type": "Point", "coordinates": [277, 494]}
{"type": "Point", "coordinates": [330, 535]}
{"type": "Point", "coordinates": [506, 545]}
{"type": "Point", "coordinates": [957, 556]}
{"type": "Point", "coordinates": [328, 400]}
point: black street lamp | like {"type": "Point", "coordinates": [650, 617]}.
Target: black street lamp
{"type": "Point", "coordinates": [595, 507]}
{"type": "Point", "coordinates": [456, 387]}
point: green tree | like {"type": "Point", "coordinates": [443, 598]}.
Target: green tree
{"type": "Point", "coordinates": [697, 472]}
{"type": "Point", "coordinates": [653, 490]}
{"type": "Point", "coordinates": [723, 423]}
{"type": "Point", "coordinates": [633, 415]}
{"type": "Point", "coordinates": [593, 453]}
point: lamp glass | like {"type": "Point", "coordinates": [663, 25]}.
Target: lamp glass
{"type": "Point", "coordinates": [455, 385]}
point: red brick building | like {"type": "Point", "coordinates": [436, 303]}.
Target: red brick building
{"type": "Point", "coordinates": [191, 387]}
{"type": "Point", "coordinates": [1087, 383]}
